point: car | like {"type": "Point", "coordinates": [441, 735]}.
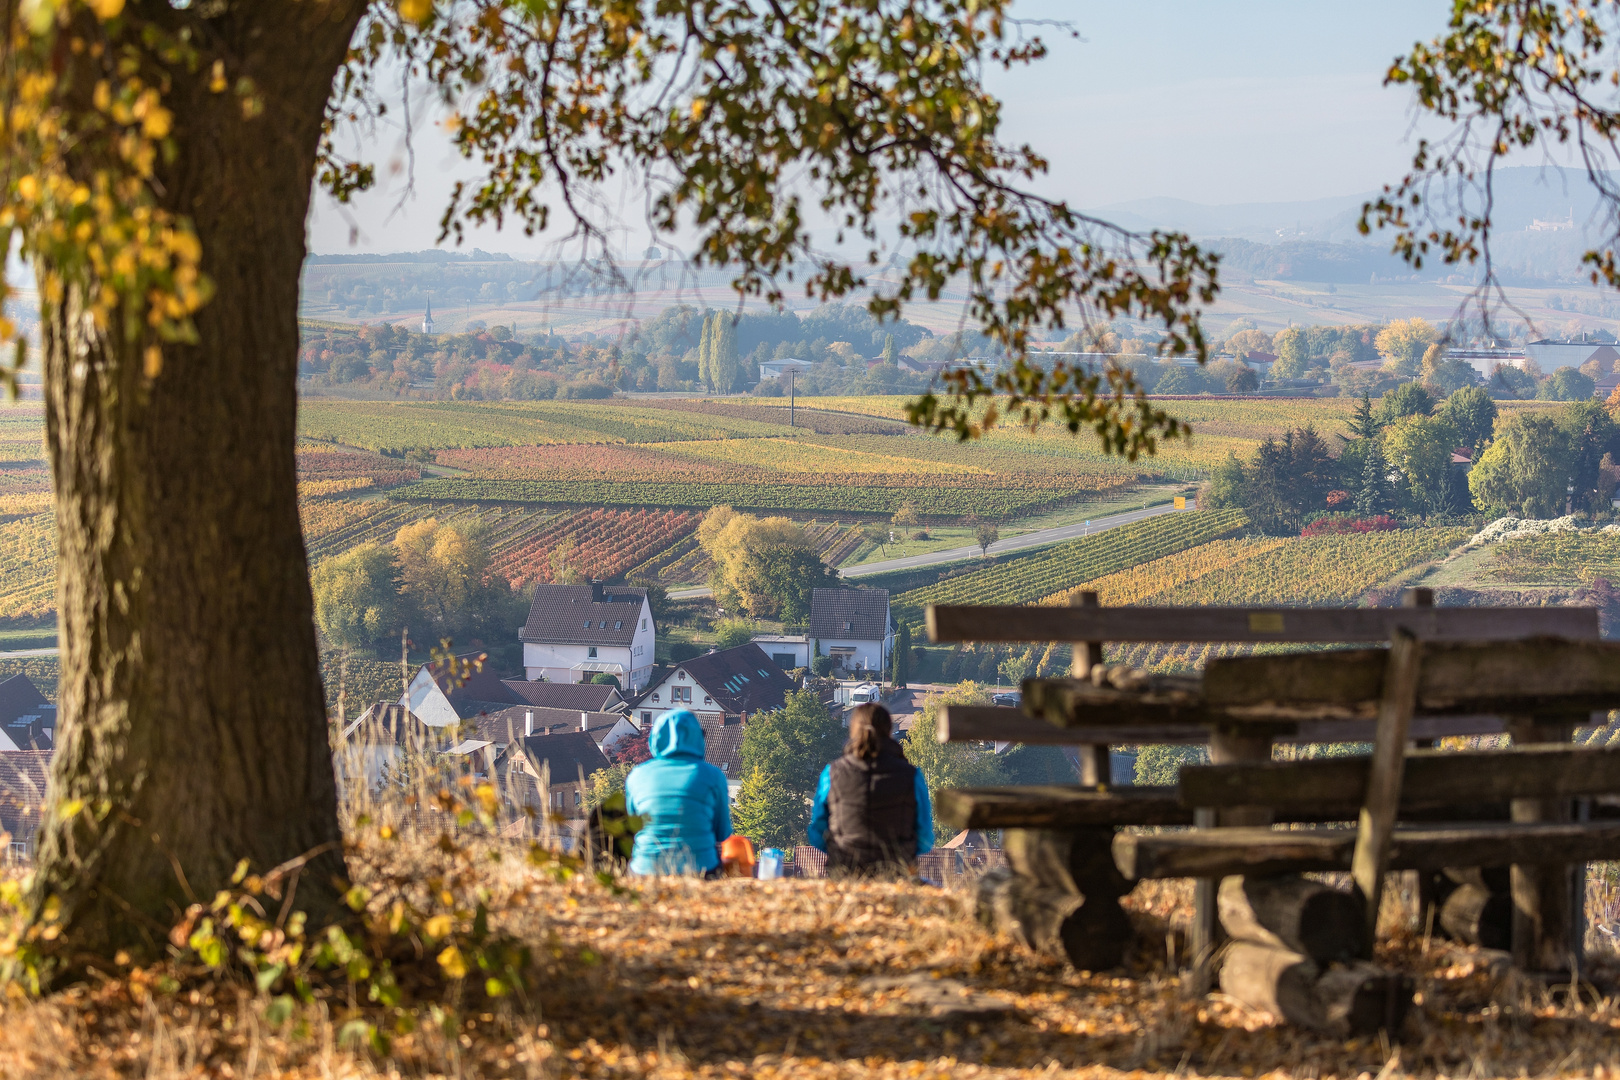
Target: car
{"type": "Point", "coordinates": [1010, 699]}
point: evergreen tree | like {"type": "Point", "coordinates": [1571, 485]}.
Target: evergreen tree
{"type": "Point", "coordinates": [888, 349]}
{"type": "Point", "coordinates": [767, 812]}
{"type": "Point", "coordinates": [725, 370]}
{"type": "Point", "coordinates": [1373, 498]}
{"type": "Point", "coordinates": [902, 653]}
{"type": "Point", "coordinates": [1364, 425]}
{"type": "Point", "coordinates": [706, 351]}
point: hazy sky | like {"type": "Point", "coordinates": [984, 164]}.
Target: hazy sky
{"type": "Point", "coordinates": [1212, 102]}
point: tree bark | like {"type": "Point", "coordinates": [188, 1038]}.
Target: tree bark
{"type": "Point", "coordinates": [192, 719]}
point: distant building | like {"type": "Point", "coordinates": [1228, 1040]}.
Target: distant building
{"type": "Point", "coordinates": [27, 720]}
{"type": "Point", "coordinates": [722, 689]}
{"type": "Point", "coordinates": [427, 319]}
{"type": "Point", "coordinates": [853, 626]}
{"type": "Point", "coordinates": [551, 773]}
{"type": "Point", "coordinates": [1487, 360]}
{"type": "Point", "coordinates": [591, 697]}
{"type": "Point", "coordinates": [787, 651]}
{"type": "Point", "coordinates": [23, 776]}
{"type": "Point", "coordinates": [576, 632]}
{"type": "Point", "coordinates": [775, 369]}
{"type": "Point", "coordinates": [1552, 355]}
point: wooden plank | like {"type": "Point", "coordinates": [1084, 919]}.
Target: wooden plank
{"type": "Point", "coordinates": [1059, 807]}
{"type": "Point", "coordinates": [1328, 625]}
{"type": "Point", "coordinates": [986, 723]}
{"type": "Point", "coordinates": [1385, 773]}
{"type": "Point", "coordinates": [1538, 675]}
{"type": "Point", "coordinates": [1434, 778]}
{"type": "Point", "coordinates": [1208, 853]}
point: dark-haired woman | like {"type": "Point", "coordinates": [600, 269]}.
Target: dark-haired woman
{"type": "Point", "coordinates": [872, 813]}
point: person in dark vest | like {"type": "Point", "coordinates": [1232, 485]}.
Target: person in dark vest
{"type": "Point", "coordinates": [872, 813]}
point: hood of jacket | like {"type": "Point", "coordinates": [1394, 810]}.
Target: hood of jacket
{"type": "Point", "coordinates": [676, 735]}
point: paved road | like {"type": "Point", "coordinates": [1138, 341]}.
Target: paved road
{"type": "Point", "coordinates": [27, 652]}
{"type": "Point", "coordinates": [1021, 542]}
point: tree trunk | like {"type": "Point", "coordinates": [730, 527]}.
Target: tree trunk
{"type": "Point", "coordinates": [192, 719]}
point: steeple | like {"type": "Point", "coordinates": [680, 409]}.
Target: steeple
{"type": "Point", "coordinates": [427, 319]}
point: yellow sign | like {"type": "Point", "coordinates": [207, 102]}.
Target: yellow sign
{"type": "Point", "coordinates": [1181, 502]}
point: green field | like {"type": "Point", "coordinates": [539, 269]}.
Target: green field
{"type": "Point", "coordinates": [542, 474]}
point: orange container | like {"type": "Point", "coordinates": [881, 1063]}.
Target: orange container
{"type": "Point", "coordinates": [737, 854]}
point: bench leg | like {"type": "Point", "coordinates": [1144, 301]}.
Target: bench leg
{"type": "Point", "coordinates": [1548, 901]}
{"type": "Point", "coordinates": [1061, 895]}
{"type": "Point", "coordinates": [1207, 935]}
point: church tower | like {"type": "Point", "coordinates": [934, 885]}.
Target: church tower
{"type": "Point", "coordinates": [427, 319]}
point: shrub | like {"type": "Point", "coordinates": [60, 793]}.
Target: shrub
{"type": "Point", "coordinates": [1336, 526]}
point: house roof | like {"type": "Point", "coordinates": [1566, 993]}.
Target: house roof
{"type": "Point", "coordinates": [592, 697]}
{"type": "Point", "coordinates": [741, 679]}
{"type": "Point", "coordinates": [722, 745]}
{"type": "Point", "coordinates": [25, 715]}
{"type": "Point", "coordinates": [583, 615]}
{"type": "Point", "coordinates": [23, 778]}
{"type": "Point", "coordinates": [568, 754]}
{"type": "Point", "coordinates": [508, 724]}
{"type": "Point", "coordinates": [391, 722]}
{"type": "Point", "coordinates": [858, 614]}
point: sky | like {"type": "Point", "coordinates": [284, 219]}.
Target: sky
{"type": "Point", "coordinates": [1210, 101]}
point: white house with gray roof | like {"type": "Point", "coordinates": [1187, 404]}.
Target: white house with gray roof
{"type": "Point", "coordinates": [853, 626]}
{"type": "Point", "coordinates": [576, 632]}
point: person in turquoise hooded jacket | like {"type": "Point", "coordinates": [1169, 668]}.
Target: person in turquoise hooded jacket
{"type": "Point", "coordinates": [681, 799]}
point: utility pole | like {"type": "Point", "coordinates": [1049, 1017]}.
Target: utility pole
{"type": "Point", "coordinates": [792, 400]}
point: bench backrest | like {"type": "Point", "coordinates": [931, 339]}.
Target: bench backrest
{"type": "Point", "coordinates": [1257, 625]}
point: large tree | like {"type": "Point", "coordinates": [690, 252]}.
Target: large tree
{"type": "Point", "coordinates": [157, 170]}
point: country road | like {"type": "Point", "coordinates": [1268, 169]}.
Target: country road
{"type": "Point", "coordinates": [1038, 538]}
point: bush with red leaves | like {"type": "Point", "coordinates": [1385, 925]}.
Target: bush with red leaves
{"type": "Point", "coordinates": [1335, 526]}
{"type": "Point", "coordinates": [632, 751]}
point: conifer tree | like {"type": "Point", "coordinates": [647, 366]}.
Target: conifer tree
{"type": "Point", "coordinates": [888, 349]}
{"type": "Point", "coordinates": [1364, 425]}
{"type": "Point", "coordinates": [706, 351]}
{"type": "Point", "coordinates": [1373, 498]}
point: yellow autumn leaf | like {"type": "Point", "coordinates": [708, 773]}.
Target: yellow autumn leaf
{"type": "Point", "coordinates": [454, 964]}
{"type": "Point", "coordinates": [438, 926]}
{"type": "Point", "coordinates": [153, 365]}
{"type": "Point", "coordinates": [106, 9]}
{"type": "Point", "coordinates": [416, 11]}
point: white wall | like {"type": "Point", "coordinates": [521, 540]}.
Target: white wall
{"type": "Point", "coordinates": [428, 702]}
{"type": "Point", "coordinates": [868, 654]}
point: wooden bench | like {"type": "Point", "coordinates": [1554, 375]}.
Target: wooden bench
{"type": "Point", "coordinates": [1242, 705]}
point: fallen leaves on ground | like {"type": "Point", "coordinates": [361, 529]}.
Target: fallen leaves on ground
{"type": "Point", "coordinates": [799, 978]}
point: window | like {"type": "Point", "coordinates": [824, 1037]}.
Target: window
{"type": "Point", "coordinates": [681, 674]}
{"type": "Point", "coordinates": [681, 694]}
{"type": "Point", "coordinates": [655, 698]}
{"type": "Point", "coordinates": [602, 625]}
{"type": "Point", "coordinates": [587, 624]}
{"type": "Point", "coordinates": [848, 625]}
{"type": "Point", "coordinates": [618, 624]}
{"type": "Point", "coordinates": [576, 798]}
{"type": "Point", "coordinates": [707, 700]}
{"type": "Point", "coordinates": [646, 717]}
{"type": "Point", "coordinates": [644, 624]}
{"type": "Point", "coordinates": [591, 652]}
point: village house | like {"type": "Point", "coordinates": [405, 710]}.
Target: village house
{"type": "Point", "coordinates": [576, 632]}
{"type": "Point", "coordinates": [722, 689]}
{"type": "Point", "coordinates": [23, 775]}
{"type": "Point", "coordinates": [787, 651]}
{"type": "Point", "coordinates": [853, 627]}
{"type": "Point", "coordinates": [591, 697]}
{"type": "Point", "coordinates": [27, 720]}
{"type": "Point", "coordinates": [512, 725]}
{"type": "Point", "coordinates": [550, 774]}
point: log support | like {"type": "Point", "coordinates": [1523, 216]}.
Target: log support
{"type": "Point", "coordinates": [1060, 896]}
{"type": "Point", "coordinates": [1548, 913]}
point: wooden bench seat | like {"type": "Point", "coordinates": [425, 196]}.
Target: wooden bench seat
{"type": "Point", "coordinates": [1060, 806]}
{"type": "Point", "coordinates": [1215, 853]}
{"type": "Point", "coordinates": [1433, 779]}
